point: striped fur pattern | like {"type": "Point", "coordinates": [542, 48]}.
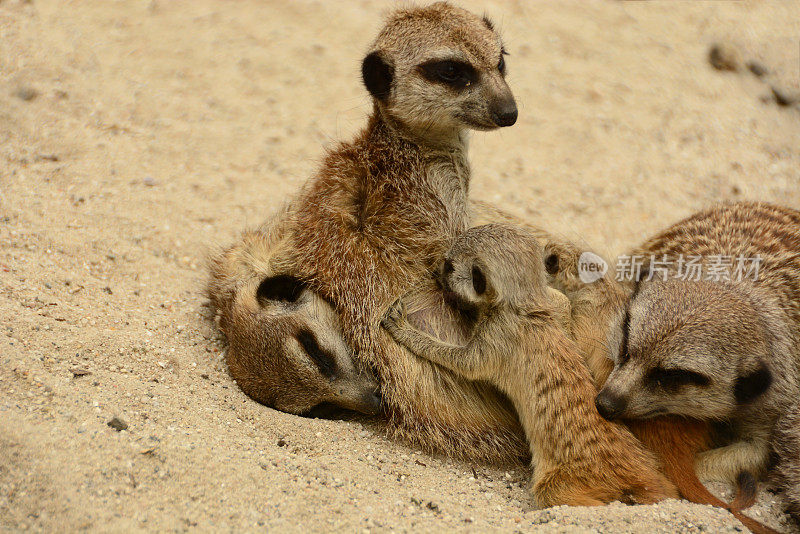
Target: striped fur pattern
{"type": "Point", "coordinates": [787, 470]}
{"type": "Point", "coordinates": [494, 275]}
{"type": "Point", "coordinates": [725, 351]}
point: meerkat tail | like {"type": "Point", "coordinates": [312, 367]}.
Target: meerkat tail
{"type": "Point", "coordinates": [677, 441]}
{"type": "Point", "coordinates": [746, 491]}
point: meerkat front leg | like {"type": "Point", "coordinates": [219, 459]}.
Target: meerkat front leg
{"type": "Point", "coordinates": [466, 360]}
{"type": "Point", "coordinates": [725, 463]}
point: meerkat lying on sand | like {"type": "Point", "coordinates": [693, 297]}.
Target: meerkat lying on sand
{"type": "Point", "coordinates": [263, 312]}
{"type": "Point", "coordinates": [723, 351]}
{"type": "Point", "coordinates": [494, 275]}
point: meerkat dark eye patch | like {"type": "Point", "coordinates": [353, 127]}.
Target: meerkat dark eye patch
{"type": "Point", "coordinates": [551, 264]}
{"type": "Point", "coordinates": [323, 360]}
{"type": "Point", "coordinates": [624, 356]}
{"type": "Point", "coordinates": [478, 280]}
{"type": "Point", "coordinates": [750, 386]}
{"type": "Point", "coordinates": [455, 74]}
{"type": "Point", "coordinates": [282, 287]}
{"type": "Point", "coordinates": [377, 75]}
{"type": "Point", "coordinates": [675, 378]}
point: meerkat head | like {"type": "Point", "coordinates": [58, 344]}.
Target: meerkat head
{"type": "Point", "coordinates": [698, 349]}
{"type": "Point", "coordinates": [285, 344]}
{"type": "Point", "coordinates": [492, 266]}
{"type": "Point", "coordinates": [286, 351]}
{"type": "Point", "coordinates": [440, 69]}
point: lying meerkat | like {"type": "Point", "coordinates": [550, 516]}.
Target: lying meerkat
{"type": "Point", "coordinates": [263, 312]}
{"type": "Point", "coordinates": [725, 352]}
{"type": "Point", "coordinates": [381, 210]}
{"type": "Point", "coordinates": [676, 441]}
{"type": "Point", "coordinates": [494, 275]}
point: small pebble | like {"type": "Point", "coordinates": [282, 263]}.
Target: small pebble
{"type": "Point", "coordinates": [26, 93]}
{"type": "Point", "coordinates": [757, 68]}
{"type": "Point", "coordinates": [118, 424]}
{"type": "Point", "coordinates": [723, 57]}
{"type": "Point", "coordinates": [781, 98]}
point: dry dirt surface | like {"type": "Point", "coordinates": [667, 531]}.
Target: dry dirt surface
{"type": "Point", "coordinates": [136, 136]}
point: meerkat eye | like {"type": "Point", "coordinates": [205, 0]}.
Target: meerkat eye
{"type": "Point", "coordinates": [323, 360]}
{"type": "Point", "coordinates": [674, 378]}
{"type": "Point", "coordinates": [501, 65]}
{"type": "Point", "coordinates": [478, 280]}
{"type": "Point", "coordinates": [453, 73]}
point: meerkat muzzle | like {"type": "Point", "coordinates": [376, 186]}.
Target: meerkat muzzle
{"type": "Point", "coordinates": [504, 112]}
{"type": "Point", "coordinates": [609, 406]}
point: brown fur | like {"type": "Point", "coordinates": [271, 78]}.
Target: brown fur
{"type": "Point", "coordinates": [377, 216]}
{"type": "Point", "coordinates": [494, 275]}
{"type": "Point", "coordinates": [675, 441]}
{"type": "Point", "coordinates": [255, 326]}
{"type": "Point", "coordinates": [787, 470]}
{"type": "Point", "coordinates": [736, 336]}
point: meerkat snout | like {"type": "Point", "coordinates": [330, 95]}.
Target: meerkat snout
{"type": "Point", "coordinates": [504, 111]}
{"type": "Point", "coordinates": [609, 405]}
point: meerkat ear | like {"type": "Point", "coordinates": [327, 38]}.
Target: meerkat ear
{"type": "Point", "coordinates": [378, 75]}
{"type": "Point", "coordinates": [750, 386]}
{"type": "Point", "coordinates": [551, 264]}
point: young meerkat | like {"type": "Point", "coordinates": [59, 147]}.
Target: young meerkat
{"type": "Point", "coordinates": [724, 352]}
{"type": "Point", "coordinates": [381, 210]}
{"type": "Point", "coordinates": [494, 274]}
{"type": "Point", "coordinates": [265, 312]}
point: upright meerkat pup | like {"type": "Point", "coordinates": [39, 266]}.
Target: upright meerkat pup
{"type": "Point", "coordinates": [381, 210]}
{"type": "Point", "coordinates": [495, 276]}
{"type": "Point", "coordinates": [723, 351]}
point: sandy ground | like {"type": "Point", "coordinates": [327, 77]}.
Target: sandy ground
{"type": "Point", "coordinates": [136, 136]}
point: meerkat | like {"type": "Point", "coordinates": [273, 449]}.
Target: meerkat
{"type": "Point", "coordinates": [264, 359]}
{"type": "Point", "coordinates": [304, 341]}
{"type": "Point", "coordinates": [787, 450]}
{"type": "Point", "coordinates": [494, 275]}
{"type": "Point", "coordinates": [676, 441]}
{"type": "Point", "coordinates": [382, 208]}
{"type": "Point", "coordinates": [726, 351]}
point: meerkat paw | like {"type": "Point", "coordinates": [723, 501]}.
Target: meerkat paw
{"type": "Point", "coordinates": [394, 316]}
{"type": "Point", "coordinates": [556, 487]}
{"type": "Point", "coordinates": [724, 464]}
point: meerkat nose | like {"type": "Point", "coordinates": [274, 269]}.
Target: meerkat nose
{"type": "Point", "coordinates": [372, 403]}
{"type": "Point", "coordinates": [609, 406]}
{"type": "Point", "coordinates": [504, 112]}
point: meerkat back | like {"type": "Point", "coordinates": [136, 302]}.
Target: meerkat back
{"type": "Point", "coordinates": [748, 241]}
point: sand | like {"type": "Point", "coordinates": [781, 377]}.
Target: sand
{"type": "Point", "coordinates": [137, 136]}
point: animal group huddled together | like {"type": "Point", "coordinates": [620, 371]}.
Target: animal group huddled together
{"type": "Point", "coordinates": [382, 288]}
